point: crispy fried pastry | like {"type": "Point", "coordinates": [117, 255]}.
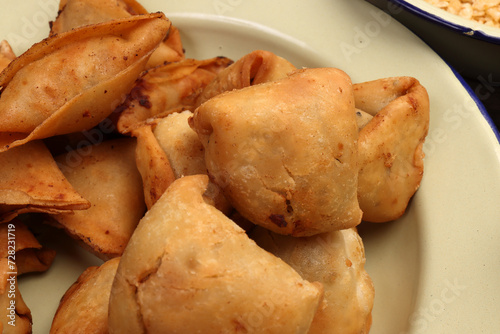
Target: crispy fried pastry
{"type": "Point", "coordinates": [29, 255]}
{"type": "Point", "coordinates": [71, 81]}
{"type": "Point", "coordinates": [390, 145]}
{"type": "Point", "coordinates": [31, 182]}
{"type": "Point", "coordinates": [284, 153]}
{"type": "Point", "coordinates": [6, 54]}
{"type": "Point", "coordinates": [84, 307]}
{"type": "Point", "coordinates": [106, 174]}
{"type": "Point", "coordinates": [166, 89]}
{"type": "Point", "coordinates": [190, 269]}
{"type": "Point", "coordinates": [186, 153]}
{"type": "Point", "coordinates": [78, 13]}
{"type": "Point", "coordinates": [254, 68]}
{"type": "Point", "coordinates": [336, 260]}
{"type": "Point", "coordinates": [153, 164]}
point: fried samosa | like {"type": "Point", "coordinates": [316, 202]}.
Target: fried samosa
{"type": "Point", "coordinates": [31, 182]}
{"type": "Point", "coordinates": [390, 145]}
{"type": "Point", "coordinates": [190, 269]}
{"type": "Point", "coordinates": [336, 260]}
{"type": "Point", "coordinates": [78, 13]}
{"type": "Point", "coordinates": [17, 317]}
{"type": "Point", "coordinates": [106, 174]}
{"type": "Point", "coordinates": [256, 67]}
{"type": "Point", "coordinates": [284, 153]}
{"type": "Point", "coordinates": [71, 81]}
{"type": "Point", "coordinates": [29, 256]}
{"type": "Point", "coordinates": [167, 89]}
{"type": "Point", "coordinates": [84, 307]}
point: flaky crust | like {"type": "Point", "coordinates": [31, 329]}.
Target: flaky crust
{"type": "Point", "coordinates": [77, 13]}
{"type": "Point", "coordinates": [31, 182]}
{"type": "Point", "coordinates": [29, 256]}
{"type": "Point", "coordinates": [285, 152]}
{"type": "Point", "coordinates": [186, 153]}
{"type": "Point", "coordinates": [256, 67]}
{"type": "Point", "coordinates": [84, 307]}
{"type": "Point", "coordinates": [41, 98]}
{"type": "Point", "coordinates": [105, 174]}
{"type": "Point", "coordinates": [189, 269]}
{"type": "Point", "coordinates": [336, 260]}
{"type": "Point", "coordinates": [390, 145]}
{"type": "Point", "coordinates": [153, 164]}
{"type": "Point", "coordinates": [166, 89]}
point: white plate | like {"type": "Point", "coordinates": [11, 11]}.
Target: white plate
{"type": "Point", "coordinates": [436, 269]}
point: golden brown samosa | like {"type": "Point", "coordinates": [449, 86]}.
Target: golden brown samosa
{"type": "Point", "coordinates": [285, 152]}
{"type": "Point", "coordinates": [258, 66]}
{"type": "Point", "coordinates": [336, 260]}
{"type": "Point", "coordinates": [31, 182]}
{"type": "Point", "coordinates": [77, 13]}
{"type": "Point", "coordinates": [106, 174]}
{"type": "Point", "coordinates": [166, 89]}
{"type": "Point", "coordinates": [84, 307]}
{"type": "Point", "coordinates": [390, 145]}
{"type": "Point", "coordinates": [71, 81]}
{"type": "Point", "coordinates": [16, 316]}
{"type": "Point", "coordinates": [29, 255]}
{"type": "Point", "coordinates": [190, 269]}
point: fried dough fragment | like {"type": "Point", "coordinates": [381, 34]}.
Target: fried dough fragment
{"type": "Point", "coordinates": [190, 269]}
{"type": "Point", "coordinates": [30, 256]}
{"type": "Point", "coordinates": [84, 307]}
{"type": "Point", "coordinates": [17, 319]}
{"type": "Point", "coordinates": [390, 145]}
{"type": "Point", "coordinates": [54, 87]}
{"type": "Point", "coordinates": [153, 164]}
{"type": "Point", "coordinates": [107, 175]}
{"type": "Point", "coordinates": [166, 89]}
{"type": "Point", "coordinates": [78, 13]}
{"type": "Point", "coordinates": [257, 67]}
{"type": "Point", "coordinates": [284, 153]}
{"type": "Point", "coordinates": [6, 54]}
{"type": "Point", "coordinates": [336, 260]}
{"type": "Point", "coordinates": [32, 182]}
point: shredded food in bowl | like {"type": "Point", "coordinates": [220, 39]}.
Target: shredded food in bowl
{"type": "Point", "coordinates": [483, 11]}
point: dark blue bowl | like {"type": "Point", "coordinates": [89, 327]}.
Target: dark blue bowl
{"type": "Point", "coordinates": [472, 49]}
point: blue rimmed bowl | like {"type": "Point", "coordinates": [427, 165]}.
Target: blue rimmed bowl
{"type": "Point", "coordinates": [473, 49]}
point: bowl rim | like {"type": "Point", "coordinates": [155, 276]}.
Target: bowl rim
{"type": "Point", "coordinates": [456, 23]}
{"type": "Point", "coordinates": [478, 102]}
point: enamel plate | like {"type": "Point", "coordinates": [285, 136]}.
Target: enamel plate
{"type": "Point", "coordinates": [436, 269]}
